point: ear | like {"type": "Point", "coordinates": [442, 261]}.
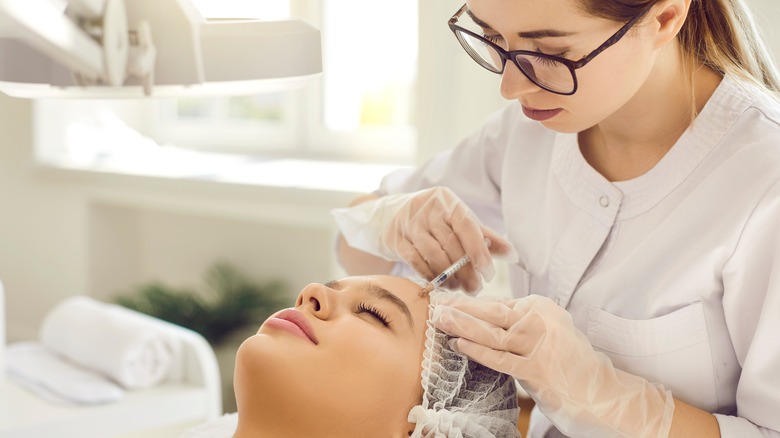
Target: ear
{"type": "Point", "coordinates": [669, 16]}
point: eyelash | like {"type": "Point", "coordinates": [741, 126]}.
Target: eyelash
{"type": "Point", "coordinates": [374, 312]}
{"type": "Point", "coordinates": [495, 39]}
{"type": "Point", "coordinates": [492, 38]}
{"type": "Point", "coordinates": [549, 61]}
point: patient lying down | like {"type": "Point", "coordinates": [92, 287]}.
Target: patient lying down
{"type": "Point", "coordinates": [358, 358]}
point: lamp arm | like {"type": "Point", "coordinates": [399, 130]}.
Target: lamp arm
{"type": "Point", "coordinates": [105, 48]}
{"type": "Point", "coordinates": [46, 28]}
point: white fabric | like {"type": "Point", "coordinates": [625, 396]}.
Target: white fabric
{"type": "Point", "coordinates": [125, 346]}
{"type": "Point", "coordinates": [740, 427]}
{"type": "Point", "coordinates": [674, 274]}
{"type": "Point", "coordinates": [56, 379]}
{"type": "Point", "coordinates": [352, 223]}
{"type": "Point", "coordinates": [223, 427]}
{"type": "Point", "coordinates": [461, 398]}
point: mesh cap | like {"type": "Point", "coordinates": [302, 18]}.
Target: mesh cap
{"type": "Point", "coordinates": [461, 398]}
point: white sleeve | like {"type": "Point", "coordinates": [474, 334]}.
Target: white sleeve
{"type": "Point", "coordinates": [751, 303]}
{"type": "Point", "coordinates": [739, 427]}
{"type": "Point", "coordinates": [472, 169]}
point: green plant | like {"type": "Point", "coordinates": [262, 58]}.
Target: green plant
{"type": "Point", "coordinates": [231, 302]}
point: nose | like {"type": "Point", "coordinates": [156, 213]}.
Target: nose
{"type": "Point", "coordinates": [514, 83]}
{"type": "Point", "coordinates": [316, 299]}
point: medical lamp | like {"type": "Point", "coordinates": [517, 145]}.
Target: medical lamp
{"type": "Point", "coordinates": [136, 48]}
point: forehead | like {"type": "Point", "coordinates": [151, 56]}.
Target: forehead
{"type": "Point", "coordinates": [404, 288]}
{"type": "Point", "coordinates": [525, 15]}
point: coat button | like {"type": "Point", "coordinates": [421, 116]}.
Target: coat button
{"type": "Point", "coordinates": [604, 201]}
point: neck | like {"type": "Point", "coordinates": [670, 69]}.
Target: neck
{"type": "Point", "coordinates": [245, 431]}
{"type": "Point", "coordinates": [254, 429]}
{"type": "Point", "coordinates": [634, 139]}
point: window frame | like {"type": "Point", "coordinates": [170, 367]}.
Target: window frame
{"type": "Point", "coordinates": [301, 132]}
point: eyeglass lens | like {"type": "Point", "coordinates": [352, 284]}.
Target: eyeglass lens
{"type": "Point", "coordinates": [547, 73]}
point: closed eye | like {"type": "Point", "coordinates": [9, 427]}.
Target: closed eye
{"type": "Point", "coordinates": [373, 312]}
{"type": "Point", "coordinates": [378, 292]}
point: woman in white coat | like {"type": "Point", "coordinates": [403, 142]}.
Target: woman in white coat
{"type": "Point", "coordinates": [638, 184]}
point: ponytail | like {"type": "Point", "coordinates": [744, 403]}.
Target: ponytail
{"type": "Point", "coordinates": [720, 34]}
{"type": "Point", "coordinates": [723, 35]}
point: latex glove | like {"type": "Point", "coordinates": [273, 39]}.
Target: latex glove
{"type": "Point", "coordinates": [577, 388]}
{"type": "Point", "coordinates": [428, 230]}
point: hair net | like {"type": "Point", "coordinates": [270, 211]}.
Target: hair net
{"type": "Point", "coordinates": [461, 398]}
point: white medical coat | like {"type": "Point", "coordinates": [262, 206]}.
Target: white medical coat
{"type": "Point", "coordinates": [675, 275]}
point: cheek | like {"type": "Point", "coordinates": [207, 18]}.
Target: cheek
{"type": "Point", "coordinates": [606, 84]}
{"type": "Point", "coordinates": [615, 73]}
{"type": "Point", "coordinates": [368, 377]}
{"type": "Point", "coordinates": [378, 365]}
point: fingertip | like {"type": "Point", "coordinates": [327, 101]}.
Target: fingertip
{"type": "Point", "coordinates": [506, 252]}
{"type": "Point", "coordinates": [511, 256]}
{"type": "Point", "coordinates": [499, 247]}
{"type": "Point", "coordinates": [491, 237]}
{"type": "Point", "coordinates": [420, 266]}
{"type": "Point", "coordinates": [474, 287]}
{"type": "Point", "coordinates": [436, 315]}
{"type": "Point", "coordinates": [453, 344]}
{"type": "Point", "coordinates": [488, 271]}
{"type": "Point", "coordinates": [483, 264]}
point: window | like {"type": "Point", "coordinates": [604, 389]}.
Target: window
{"type": "Point", "coordinates": [359, 109]}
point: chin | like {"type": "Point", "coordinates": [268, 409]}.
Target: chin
{"type": "Point", "coordinates": [260, 356]}
{"type": "Point", "coordinates": [565, 125]}
{"type": "Point", "coordinates": [267, 379]}
{"type": "Point", "coordinates": [563, 128]}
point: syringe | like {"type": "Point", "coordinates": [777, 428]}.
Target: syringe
{"type": "Point", "coordinates": [447, 273]}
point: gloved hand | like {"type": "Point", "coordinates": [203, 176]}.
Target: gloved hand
{"type": "Point", "coordinates": [577, 388]}
{"type": "Point", "coordinates": [428, 230]}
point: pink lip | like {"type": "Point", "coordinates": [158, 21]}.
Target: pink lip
{"type": "Point", "coordinates": [294, 322]}
{"type": "Point", "coordinates": [540, 115]}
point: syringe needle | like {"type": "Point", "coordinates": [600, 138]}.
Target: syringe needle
{"type": "Point", "coordinates": [447, 273]}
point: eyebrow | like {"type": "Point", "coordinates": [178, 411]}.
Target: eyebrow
{"type": "Point", "coordinates": [381, 293]}
{"type": "Point", "coordinates": [530, 35]}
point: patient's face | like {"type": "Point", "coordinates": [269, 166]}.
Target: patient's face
{"type": "Point", "coordinates": [346, 361]}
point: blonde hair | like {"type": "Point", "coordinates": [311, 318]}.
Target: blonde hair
{"type": "Point", "coordinates": [721, 34]}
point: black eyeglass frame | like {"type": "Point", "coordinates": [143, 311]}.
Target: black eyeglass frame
{"type": "Point", "coordinates": [512, 55]}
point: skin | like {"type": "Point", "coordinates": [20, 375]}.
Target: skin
{"type": "Point", "coordinates": [633, 103]}
{"type": "Point", "coordinates": [361, 378]}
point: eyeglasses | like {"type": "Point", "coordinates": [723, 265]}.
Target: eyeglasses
{"type": "Point", "coordinates": [552, 73]}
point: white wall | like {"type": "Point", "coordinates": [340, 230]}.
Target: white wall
{"type": "Point", "coordinates": [42, 228]}
{"type": "Point", "coordinates": [454, 94]}
{"type": "Point", "coordinates": [767, 14]}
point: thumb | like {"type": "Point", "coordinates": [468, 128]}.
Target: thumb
{"type": "Point", "coordinates": [499, 247]}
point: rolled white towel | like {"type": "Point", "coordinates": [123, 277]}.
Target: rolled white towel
{"type": "Point", "coordinates": [126, 346]}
